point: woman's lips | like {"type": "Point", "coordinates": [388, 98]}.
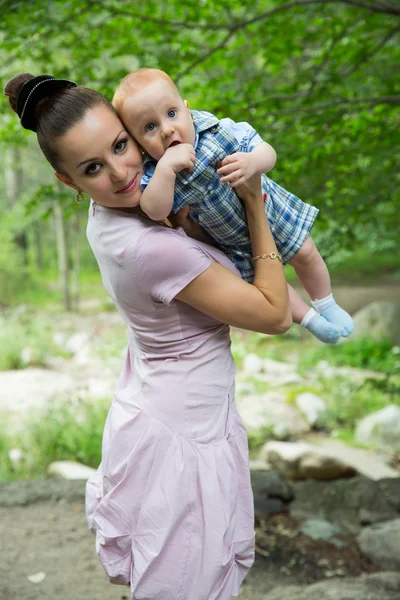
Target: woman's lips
{"type": "Point", "coordinates": [129, 187]}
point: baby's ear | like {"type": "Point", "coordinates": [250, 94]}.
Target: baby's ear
{"type": "Point", "coordinates": [186, 103]}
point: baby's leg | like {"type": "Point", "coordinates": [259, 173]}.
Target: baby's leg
{"type": "Point", "coordinates": [314, 275]}
{"type": "Point", "coordinates": [309, 319]}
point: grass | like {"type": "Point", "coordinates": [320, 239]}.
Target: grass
{"type": "Point", "coordinates": [360, 353]}
{"type": "Point", "coordinates": [61, 432]}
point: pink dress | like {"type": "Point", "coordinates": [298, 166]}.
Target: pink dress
{"type": "Point", "coordinates": [171, 504]}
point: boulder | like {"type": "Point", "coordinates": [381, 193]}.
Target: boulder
{"type": "Point", "coordinates": [349, 503]}
{"type": "Point", "coordinates": [376, 586]}
{"type": "Point", "coordinates": [381, 543]}
{"type": "Point", "coordinates": [304, 461]}
{"type": "Point", "coordinates": [381, 429]}
{"type": "Point", "coordinates": [378, 321]}
{"type": "Point", "coordinates": [68, 469]}
{"type": "Point", "coordinates": [272, 493]}
{"type": "Point", "coordinates": [312, 407]}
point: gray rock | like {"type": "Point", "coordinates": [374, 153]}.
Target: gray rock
{"type": "Point", "coordinates": [272, 493]}
{"type": "Point", "coordinates": [378, 586]}
{"type": "Point", "coordinates": [344, 501]}
{"type": "Point", "coordinates": [69, 469]}
{"type": "Point", "coordinates": [381, 429]}
{"type": "Point", "coordinates": [320, 529]}
{"type": "Point", "coordinates": [378, 321]}
{"type": "Point", "coordinates": [312, 407]}
{"type": "Point", "coordinates": [265, 411]}
{"type": "Point", "coordinates": [381, 543]}
{"type": "Point", "coordinates": [23, 493]}
{"type": "Point", "coordinates": [305, 461]}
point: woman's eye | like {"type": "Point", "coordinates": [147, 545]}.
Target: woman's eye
{"type": "Point", "coordinates": [93, 169]}
{"type": "Point", "coordinates": [172, 114]}
{"type": "Point", "coordinates": [150, 127]}
{"type": "Point", "coordinates": [121, 145]}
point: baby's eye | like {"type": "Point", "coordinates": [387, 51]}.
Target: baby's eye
{"type": "Point", "coordinates": [150, 127]}
{"type": "Point", "coordinates": [171, 114]}
{"type": "Point", "coordinates": [92, 169]}
{"type": "Point", "coordinates": [121, 145]}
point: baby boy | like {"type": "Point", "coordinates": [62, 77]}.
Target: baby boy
{"type": "Point", "coordinates": [192, 158]}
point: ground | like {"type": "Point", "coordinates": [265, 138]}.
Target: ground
{"type": "Point", "coordinates": [52, 537]}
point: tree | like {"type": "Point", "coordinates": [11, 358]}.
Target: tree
{"type": "Point", "coordinates": [315, 77]}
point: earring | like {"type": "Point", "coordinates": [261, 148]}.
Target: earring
{"type": "Point", "coordinates": [79, 198]}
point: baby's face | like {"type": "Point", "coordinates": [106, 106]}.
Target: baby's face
{"type": "Point", "coordinates": [158, 118]}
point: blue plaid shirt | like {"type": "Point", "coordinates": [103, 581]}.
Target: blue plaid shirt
{"type": "Point", "coordinates": [217, 208]}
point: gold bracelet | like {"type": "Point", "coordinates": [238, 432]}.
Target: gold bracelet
{"type": "Point", "coordinates": [272, 255]}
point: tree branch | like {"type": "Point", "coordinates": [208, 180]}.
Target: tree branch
{"type": "Point", "coordinates": [395, 100]}
{"type": "Point", "coordinates": [369, 55]}
{"type": "Point", "coordinates": [207, 55]}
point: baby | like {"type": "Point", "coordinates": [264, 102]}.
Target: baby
{"type": "Point", "coordinates": [192, 158]}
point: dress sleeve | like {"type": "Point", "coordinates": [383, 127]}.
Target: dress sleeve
{"type": "Point", "coordinates": [167, 261]}
{"type": "Point", "coordinates": [245, 134]}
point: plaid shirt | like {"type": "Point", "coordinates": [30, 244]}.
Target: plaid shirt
{"type": "Point", "coordinates": [218, 209]}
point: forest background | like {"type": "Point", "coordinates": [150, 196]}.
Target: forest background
{"type": "Point", "coordinates": [316, 78]}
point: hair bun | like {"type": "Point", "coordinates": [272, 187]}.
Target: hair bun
{"type": "Point", "coordinates": [31, 91]}
{"type": "Point", "coordinates": [13, 88]}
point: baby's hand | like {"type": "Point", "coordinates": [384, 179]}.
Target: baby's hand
{"type": "Point", "coordinates": [236, 168]}
{"type": "Point", "coordinates": [179, 157]}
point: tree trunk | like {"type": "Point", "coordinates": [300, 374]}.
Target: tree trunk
{"type": "Point", "coordinates": [76, 259]}
{"type": "Point", "coordinates": [62, 253]}
{"type": "Point", "coordinates": [13, 175]}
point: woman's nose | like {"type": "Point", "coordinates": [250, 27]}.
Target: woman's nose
{"type": "Point", "coordinates": [118, 171]}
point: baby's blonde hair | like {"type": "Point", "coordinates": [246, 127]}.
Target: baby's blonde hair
{"type": "Point", "coordinates": [135, 81]}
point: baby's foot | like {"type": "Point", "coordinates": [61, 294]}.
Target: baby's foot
{"type": "Point", "coordinates": [321, 328]}
{"type": "Point", "coordinates": [332, 312]}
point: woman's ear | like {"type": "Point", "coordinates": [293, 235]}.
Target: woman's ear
{"type": "Point", "coordinates": [66, 180]}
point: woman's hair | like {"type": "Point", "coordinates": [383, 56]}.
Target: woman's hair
{"type": "Point", "coordinates": [50, 107]}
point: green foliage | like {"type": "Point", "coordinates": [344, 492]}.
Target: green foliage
{"type": "Point", "coordinates": [63, 431]}
{"type": "Point", "coordinates": [318, 81]}
{"type": "Point", "coordinates": [360, 353]}
{"type": "Point", "coordinates": [26, 341]}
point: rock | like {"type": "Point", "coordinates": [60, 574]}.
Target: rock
{"type": "Point", "coordinates": [304, 461]}
{"type": "Point", "coordinates": [345, 501]}
{"type": "Point", "coordinates": [381, 543]}
{"type": "Point", "coordinates": [277, 367]}
{"type": "Point", "coordinates": [252, 364]}
{"type": "Point", "coordinates": [272, 493]}
{"type": "Point", "coordinates": [37, 577]}
{"type": "Point", "coordinates": [376, 586]}
{"type": "Point", "coordinates": [378, 321]}
{"type": "Point", "coordinates": [68, 469]}
{"type": "Point", "coordinates": [381, 429]}
{"type": "Point", "coordinates": [24, 493]}
{"type": "Point", "coordinates": [320, 529]}
{"type": "Point", "coordinates": [312, 407]}
{"type": "Point", "coordinates": [270, 410]}
{"type": "Point", "coordinates": [21, 390]}
{"type": "Point", "coordinates": [362, 460]}
{"type": "Point", "coordinates": [77, 342]}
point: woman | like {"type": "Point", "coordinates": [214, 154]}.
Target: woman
{"type": "Point", "coordinates": [171, 503]}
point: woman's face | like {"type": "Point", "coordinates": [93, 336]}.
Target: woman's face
{"type": "Point", "coordinates": [102, 160]}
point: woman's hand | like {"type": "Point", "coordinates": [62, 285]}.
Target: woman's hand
{"type": "Point", "coordinates": [250, 191]}
{"type": "Point", "coordinates": [192, 229]}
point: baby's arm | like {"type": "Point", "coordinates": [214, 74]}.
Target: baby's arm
{"type": "Point", "coordinates": [158, 197]}
{"type": "Point", "coordinates": [240, 166]}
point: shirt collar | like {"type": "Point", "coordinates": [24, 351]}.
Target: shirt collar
{"type": "Point", "coordinates": [202, 122]}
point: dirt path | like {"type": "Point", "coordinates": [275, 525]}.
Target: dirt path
{"type": "Point", "coordinates": [43, 529]}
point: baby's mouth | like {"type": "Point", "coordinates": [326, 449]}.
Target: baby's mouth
{"type": "Point", "coordinates": [173, 144]}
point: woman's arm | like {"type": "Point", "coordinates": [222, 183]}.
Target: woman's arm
{"type": "Point", "coordinates": [261, 306]}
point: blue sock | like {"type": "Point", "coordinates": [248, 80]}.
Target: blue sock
{"type": "Point", "coordinates": [332, 312]}
{"type": "Point", "coordinates": [321, 328]}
